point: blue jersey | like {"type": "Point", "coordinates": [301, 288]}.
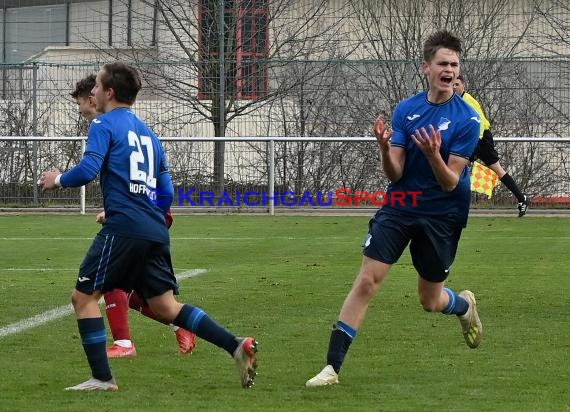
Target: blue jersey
{"type": "Point", "coordinates": [418, 188]}
{"type": "Point", "coordinates": [134, 170]}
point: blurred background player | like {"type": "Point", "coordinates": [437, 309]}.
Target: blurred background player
{"type": "Point", "coordinates": [486, 151]}
{"type": "Point", "coordinates": [132, 249]}
{"type": "Point", "coordinates": [117, 301]}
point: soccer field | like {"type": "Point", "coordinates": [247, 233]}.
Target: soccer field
{"type": "Point", "coordinates": [283, 280]}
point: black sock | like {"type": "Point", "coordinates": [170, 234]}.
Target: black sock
{"type": "Point", "coordinates": [94, 339]}
{"type": "Point", "coordinates": [196, 320]}
{"type": "Point", "coordinates": [338, 347]}
{"type": "Point", "coordinates": [509, 182]}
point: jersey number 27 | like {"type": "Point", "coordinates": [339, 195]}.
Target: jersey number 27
{"type": "Point", "coordinates": [142, 159]}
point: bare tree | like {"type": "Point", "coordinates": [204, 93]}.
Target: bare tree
{"type": "Point", "coordinates": [382, 69]}
{"type": "Point", "coordinates": [512, 87]}
{"type": "Point", "coordinates": [394, 32]}
{"type": "Point", "coordinates": [227, 59]}
{"type": "Point", "coordinates": [553, 40]}
{"type": "Point", "coordinates": [322, 106]}
{"type": "Point", "coordinates": [554, 27]}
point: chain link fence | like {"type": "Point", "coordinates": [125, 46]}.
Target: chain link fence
{"type": "Point", "coordinates": [287, 81]}
{"type": "Point", "coordinates": [280, 173]}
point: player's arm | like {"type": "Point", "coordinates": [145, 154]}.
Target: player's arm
{"type": "Point", "coordinates": [393, 162]}
{"type": "Point", "coordinates": [475, 105]}
{"type": "Point", "coordinates": [447, 174]}
{"type": "Point", "coordinates": [393, 157]}
{"type": "Point", "coordinates": [165, 189]}
{"type": "Point", "coordinates": [86, 171]}
{"type": "Point", "coordinates": [89, 166]}
{"type": "Point", "coordinates": [79, 175]}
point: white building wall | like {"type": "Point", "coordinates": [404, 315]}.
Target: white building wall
{"type": "Point", "coordinates": [89, 39]}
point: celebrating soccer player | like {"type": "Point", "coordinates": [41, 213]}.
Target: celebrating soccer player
{"type": "Point", "coordinates": [433, 135]}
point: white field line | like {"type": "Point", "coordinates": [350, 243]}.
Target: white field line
{"type": "Point", "coordinates": [62, 311]}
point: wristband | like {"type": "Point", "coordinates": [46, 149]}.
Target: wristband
{"type": "Point", "coordinates": [57, 180]}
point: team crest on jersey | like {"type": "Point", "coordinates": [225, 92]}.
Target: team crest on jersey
{"type": "Point", "coordinates": [443, 124]}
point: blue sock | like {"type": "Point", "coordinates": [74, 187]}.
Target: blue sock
{"type": "Point", "coordinates": [94, 339]}
{"type": "Point", "coordinates": [457, 305]}
{"type": "Point", "coordinates": [196, 320]}
{"type": "Point", "coordinates": [342, 336]}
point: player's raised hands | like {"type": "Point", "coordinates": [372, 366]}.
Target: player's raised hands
{"type": "Point", "coordinates": [430, 143]}
{"type": "Point", "coordinates": [383, 133]}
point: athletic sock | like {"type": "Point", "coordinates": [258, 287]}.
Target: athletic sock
{"type": "Point", "coordinates": [342, 336]}
{"type": "Point", "coordinates": [116, 304]}
{"type": "Point", "coordinates": [136, 303]}
{"type": "Point", "coordinates": [456, 306]}
{"type": "Point", "coordinates": [196, 320]}
{"type": "Point", "coordinates": [93, 338]}
{"type": "Point", "coordinates": [509, 182]}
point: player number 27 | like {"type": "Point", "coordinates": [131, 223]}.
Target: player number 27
{"type": "Point", "coordinates": [142, 146]}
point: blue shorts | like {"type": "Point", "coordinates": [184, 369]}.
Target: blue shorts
{"type": "Point", "coordinates": [433, 242]}
{"type": "Point", "coordinates": [116, 262]}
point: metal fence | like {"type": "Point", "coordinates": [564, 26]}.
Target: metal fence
{"type": "Point", "coordinates": [521, 97]}
{"type": "Point", "coordinates": [271, 174]}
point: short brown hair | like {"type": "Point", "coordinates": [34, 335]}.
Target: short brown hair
{"type": "Point", "coordinates": [83, 87]}
{"type": "Point", "coordinates": [123, 79]}
{"type": "Point", "coordinates": [438, 40]}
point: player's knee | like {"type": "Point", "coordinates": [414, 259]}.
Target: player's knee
{"type": "Point", "coordinates": [366, 284]}
{"type": "Point", "coordinates": [165, 310]}
{"type": "Point", "coordinates": [135, 302]}
{"type": "Point", "coordinates": [162, 313]}
{"type": "Point", "coordinates": [75, 299]}
{"type": "Point", "coordinates": [80, 300]}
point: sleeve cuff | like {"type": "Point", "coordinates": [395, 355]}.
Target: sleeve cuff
{"type": "Point", "coordinates": [57, 180]}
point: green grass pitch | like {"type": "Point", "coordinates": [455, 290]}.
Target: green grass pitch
{"type": "Point", "coordinates": [283, 280]}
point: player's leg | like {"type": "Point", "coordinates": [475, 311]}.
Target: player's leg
{"type": "Point", "coordinates": [93, 338]}
{"type": "Point", "coordinates": [186, 339]}
{"type": "Point", "coordinates": [116, 306]}
{"type": "Point", "coordinates": [508, 181]}
{"type": "Point", "coordinates": [489, 155]}
{"type": "Point", "coordinates": [158, 289]}
{"type": "Point", "coordinates": [433, 251]}
{"type": "Point", "coordinates": [523, 200]}
{"type": "Point", "coordinates": [90, 322]}
{"type": "Point", "coordinates": [367, 283]}
{"type": "Point", "coordinates": [199, 322]}
{"type": "Point", "coordinates": [387, 238]}
{"type": "Point", "coordinates": [498, 169]}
